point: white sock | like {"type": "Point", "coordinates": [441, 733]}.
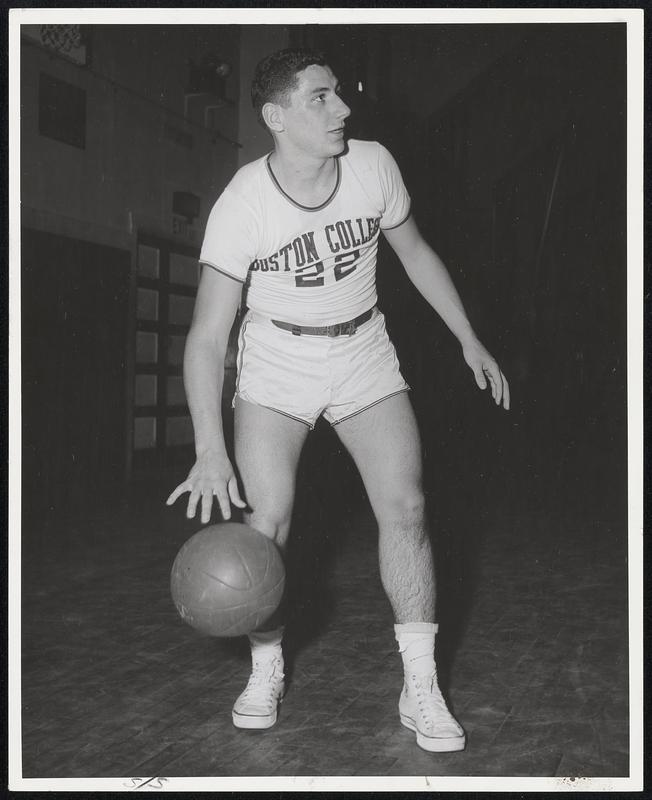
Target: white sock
{"type": "Point", "coordinates": [416, 644]}
{"type": "Point", "coordinates": [266, 645]}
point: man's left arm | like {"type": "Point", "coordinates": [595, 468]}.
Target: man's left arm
{"type": "Point", "coordinates": [430, 276]}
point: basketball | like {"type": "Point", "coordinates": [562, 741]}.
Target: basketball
{"type": "Point", "coordinates": [227, 580]}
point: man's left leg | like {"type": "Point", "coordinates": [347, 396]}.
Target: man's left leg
{"type": "Point", "coordinates": [384, 443]}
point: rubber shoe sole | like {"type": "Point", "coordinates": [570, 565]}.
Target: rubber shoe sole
{"type": "Point", "coordinates": [432, 744]}
{"type": "Point", "coordinates": [255, 723]}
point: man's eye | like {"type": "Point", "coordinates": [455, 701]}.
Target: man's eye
{"type": "Point", "coordinates": [320, 97]}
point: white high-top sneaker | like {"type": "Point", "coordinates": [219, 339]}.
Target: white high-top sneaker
{"type": "Point", "coordinates": [424, 711]}
{"type": "Point", "coordinates": [257, 706]}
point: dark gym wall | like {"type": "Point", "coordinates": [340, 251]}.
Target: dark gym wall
{"type": "Point", "coordinates": [138, 146]}
{"type": "Point", "coordinates": [105, 144]}
{"type": "Point", "coordinates": [528, 168]}
{"type": "Point", "coordinates": [511, 140]}
{"type": "Point", "coordinates": [75, 300]}
{"type": "Point", "coordinates": [517, 170]}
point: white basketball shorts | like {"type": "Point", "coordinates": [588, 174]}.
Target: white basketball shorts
{"type": "Point", "coordinates": [306, 376]}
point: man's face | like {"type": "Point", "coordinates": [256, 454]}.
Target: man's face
{"type": "Point", "coordinates": [314, 120]}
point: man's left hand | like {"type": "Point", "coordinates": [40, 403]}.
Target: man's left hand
{"type": "Point", "coordinates": [486, 369]}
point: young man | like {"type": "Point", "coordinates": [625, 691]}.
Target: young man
{"type": "Point", "coordinates": [299, 229]}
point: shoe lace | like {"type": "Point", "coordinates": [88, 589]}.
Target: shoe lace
{"type": "Point", "coordinates": [264, 682]}
{"type": "Point", "coordinates": [430, 701]}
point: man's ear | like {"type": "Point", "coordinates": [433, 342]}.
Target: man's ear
{"type": "Point", "coordinates": [273, 117]}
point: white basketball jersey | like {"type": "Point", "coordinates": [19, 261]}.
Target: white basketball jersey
{"type": "Point", "coordinates": [309, 266]}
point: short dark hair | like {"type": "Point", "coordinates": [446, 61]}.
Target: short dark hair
{"type": "Point", "coordinates": [276, 76]}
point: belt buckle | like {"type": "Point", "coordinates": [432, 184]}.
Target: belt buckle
{"type": "Point", "coordinates": [342, 328]}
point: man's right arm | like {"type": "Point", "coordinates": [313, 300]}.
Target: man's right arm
{"type": "Point", "coordinates": [218, 299]}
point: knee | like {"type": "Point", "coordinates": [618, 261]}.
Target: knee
{"type": "Point", "coordinates": [405, 508]}
{"type": "Point", "coordinates": [275, 526]}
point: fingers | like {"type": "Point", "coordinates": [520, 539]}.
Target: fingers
{"type": "Point", "coordinates": [223, 501]}
{"type": "Point", "coordinates": [487, 372]}
{"type": "Point", "coordinates": [205, 497]}
{"type": "Point", "coordinates": [506, 397]}
{"type": "Point", "coordinates": [492, 381]}
{"type": "Point", "coordinates": [480, 379]}
{"type": "Point", "coordinates": [495, 379]}
{"type": "Point", "coordinates": [499, 386]}
{"type": "Point", "coordinates": [231, 495]}
{"type": "Point", "coordinates": [181, 488]}
{"type": "Point", "coordinates": [226, 494]}
{"type": "Point", "coordinates": [206, 505]}
{"type": "Point", "coordinates": [234, 494]}
{"type": "Point", "coordinates": [194, 498]}
{"type": "Point", "coordinates": [498, 383]}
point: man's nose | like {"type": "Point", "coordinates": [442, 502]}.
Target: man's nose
{"type": "Point", "coordinates": [343, 110]}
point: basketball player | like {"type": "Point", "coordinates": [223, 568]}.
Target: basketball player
{"type": "Point", "coordinates": [299, 230]}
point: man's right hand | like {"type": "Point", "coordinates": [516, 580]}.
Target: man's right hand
{"type": "Point", "coordinates": [211, 476]}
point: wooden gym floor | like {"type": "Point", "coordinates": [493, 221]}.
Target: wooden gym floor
{"type": "Point", "coordinates": [532, 652]}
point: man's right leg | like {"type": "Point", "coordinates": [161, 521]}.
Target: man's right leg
{"type": "Point", "coordinates": [267, 449]}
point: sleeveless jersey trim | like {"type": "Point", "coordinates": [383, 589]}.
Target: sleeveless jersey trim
{"type": "Point", "coordinates": [398, 224]}
{"type": "Point", "coordinates": [289, 198]}
{"type": "Point", "coordinates": [222, 271]}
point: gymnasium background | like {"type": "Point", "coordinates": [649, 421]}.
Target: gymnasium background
{"type": "Point", "coordinates": [511, 139]}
